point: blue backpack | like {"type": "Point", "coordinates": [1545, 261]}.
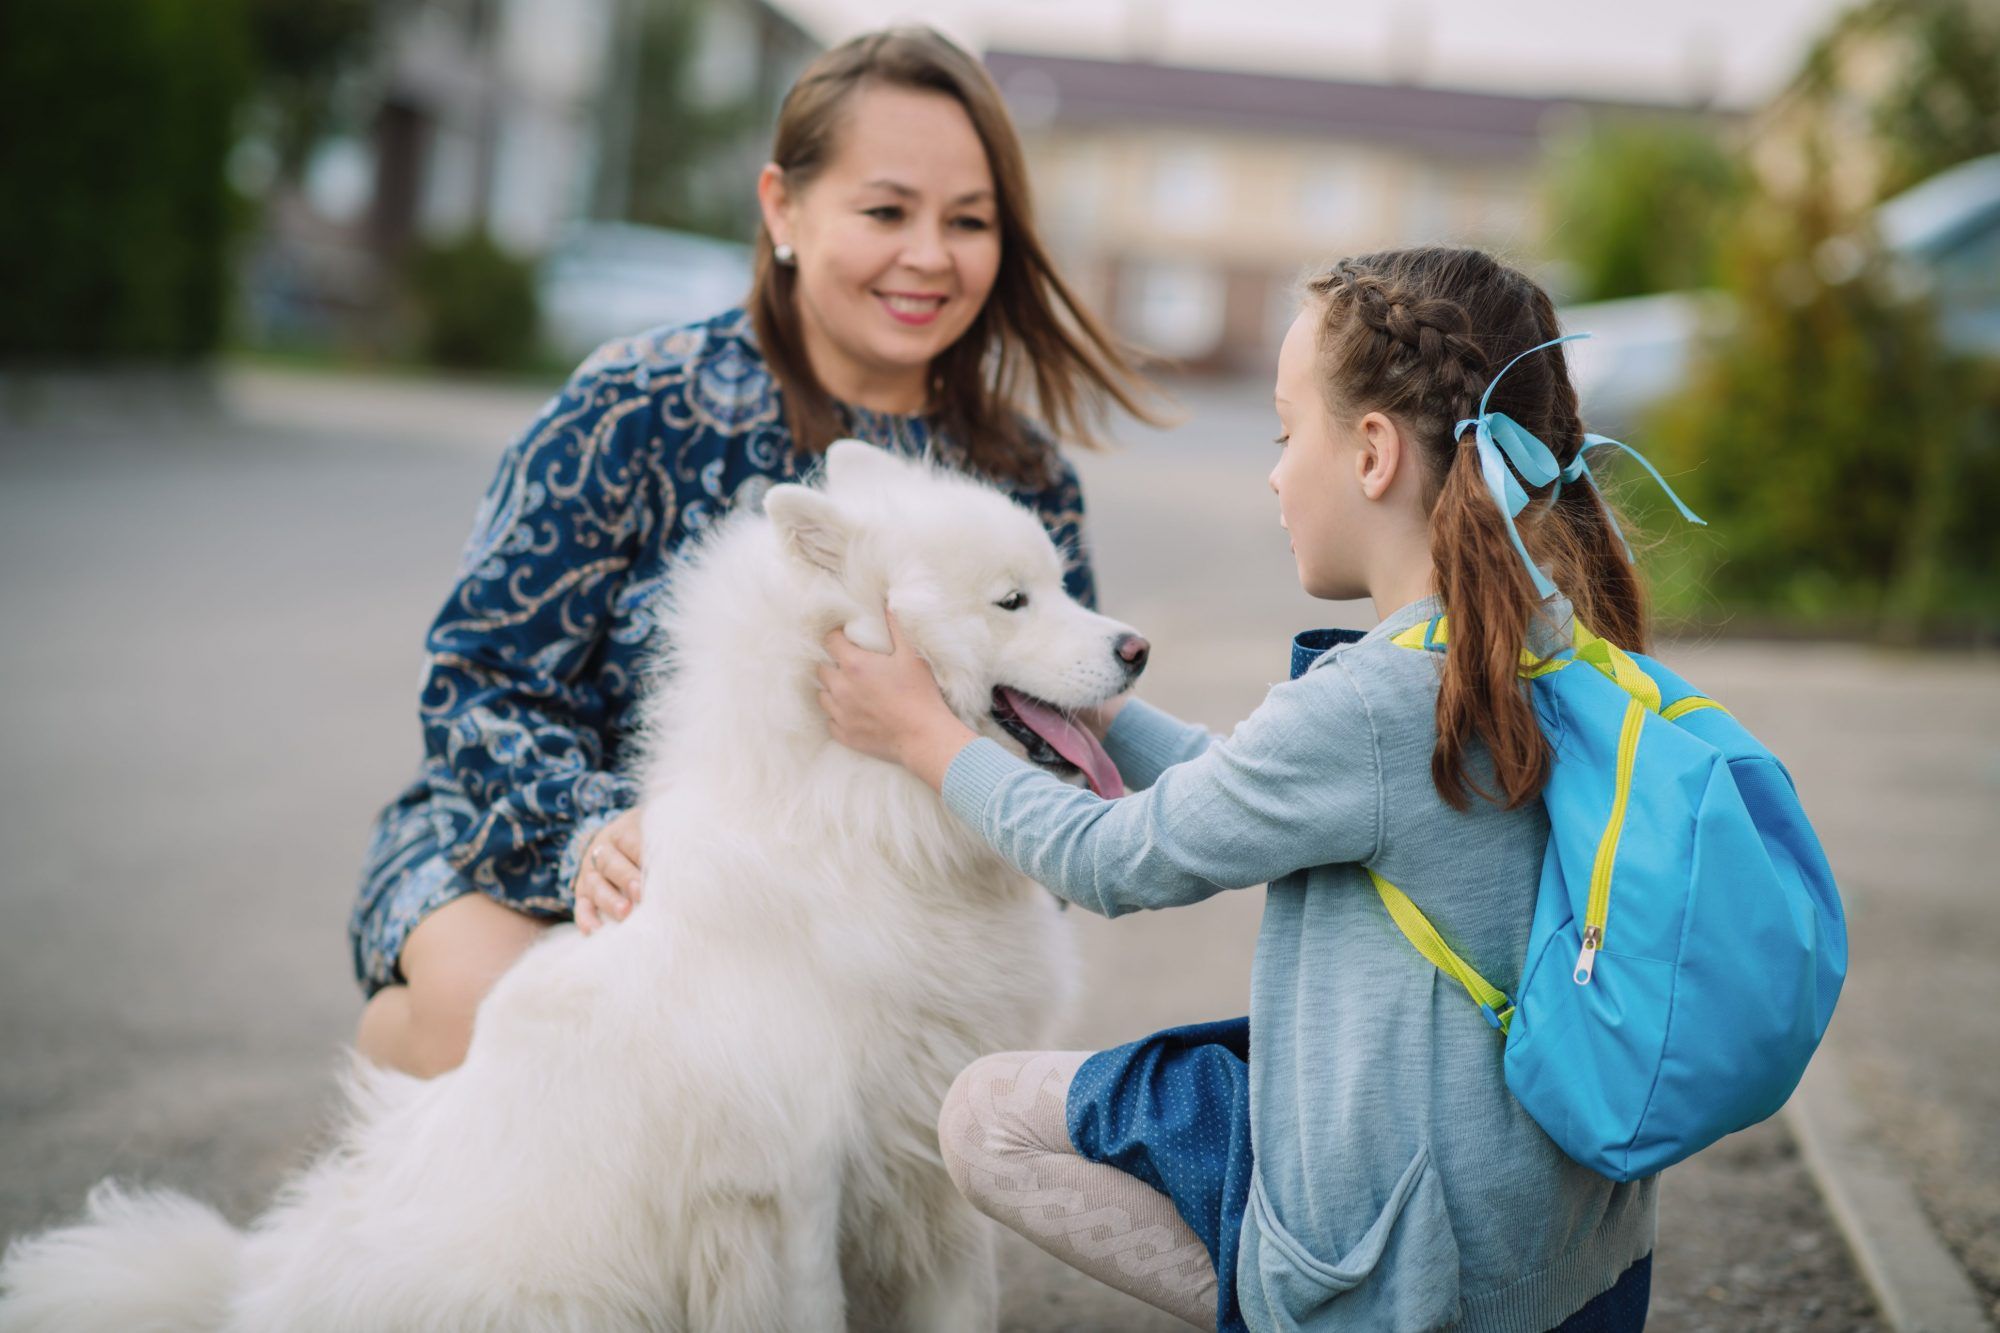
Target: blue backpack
{"type": "Point", "coordinates": [1688, 942]}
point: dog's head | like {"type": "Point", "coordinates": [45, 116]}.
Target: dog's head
{"type": "Point", "coordinates": [976, 586]}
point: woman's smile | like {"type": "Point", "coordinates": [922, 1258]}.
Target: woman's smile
{"type": "Point", "coordinates": [911, 307]}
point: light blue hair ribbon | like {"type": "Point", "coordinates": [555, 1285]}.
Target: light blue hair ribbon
{"type": "Point", "coordinates": [1497, 434]}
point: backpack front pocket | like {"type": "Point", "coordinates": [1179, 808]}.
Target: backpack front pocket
{"type": "Point", "coordinates": [1400, 1274]}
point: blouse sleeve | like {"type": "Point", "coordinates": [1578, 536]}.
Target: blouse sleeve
{"type": "Point", "coordinates": [1297, 784]}
{"type": "Point", "coordinates": [510, 705]}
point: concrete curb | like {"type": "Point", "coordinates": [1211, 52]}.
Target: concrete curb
{"type": "Point", "coordinates": [1918, 1285]}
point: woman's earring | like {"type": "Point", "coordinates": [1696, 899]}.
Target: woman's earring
{"type": "Point", "coordinates": [784, 254]}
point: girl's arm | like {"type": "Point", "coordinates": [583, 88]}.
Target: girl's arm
{"type": "Point", "coordinates": [1144, 742]}
{"type": "Point", "coordinates": [1297, 784]}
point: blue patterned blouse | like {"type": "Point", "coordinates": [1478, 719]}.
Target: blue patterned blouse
{"type": "Point", "coordinates": [531, 667]}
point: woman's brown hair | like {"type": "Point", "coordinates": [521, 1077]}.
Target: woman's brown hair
{"type": "Point", "coordinates": [1419, 334]}
{"type": "Point", "coordinates": [1031, 329]}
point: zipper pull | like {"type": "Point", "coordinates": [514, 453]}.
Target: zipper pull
{"type": "Point", "coordinates": [1586, 960]}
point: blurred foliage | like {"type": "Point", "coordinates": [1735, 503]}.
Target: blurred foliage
{"type": "Point", "coordinates": [676, 131]}
{"type": "Point", "coordinates": [1847, 460]}
{"type": "Point", "coordinates": [116, 117]}
{"type": "Point", "coordinates": [476, 304]}
{"type": "Point", "coordinates": [1831, 443]}
{"type": "Point", "coordinates": [1639, 204]}
{"type": "Point", "coordinates": [1943, 106]}
{"type": "Point", "coordinates": [303, 47]}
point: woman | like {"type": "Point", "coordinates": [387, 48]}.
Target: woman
{"type": "Point", "coordinates": [900, 295]}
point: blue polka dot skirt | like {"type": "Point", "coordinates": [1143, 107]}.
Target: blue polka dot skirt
{"type": "Point", "coordinates": [1173, 1109]}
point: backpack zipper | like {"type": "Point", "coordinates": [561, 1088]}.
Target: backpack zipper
{"type": "Point", "coordinates": [1599, 906]}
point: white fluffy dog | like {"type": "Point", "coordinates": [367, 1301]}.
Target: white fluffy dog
{"type": "Point", "coordinates": [718, 1114]}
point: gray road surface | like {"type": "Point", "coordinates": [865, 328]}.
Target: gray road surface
{"type": "Point", "coordinates": [211, 651]}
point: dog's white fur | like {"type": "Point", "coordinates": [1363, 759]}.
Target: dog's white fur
{"type": "Point", "coordinates": [720, 1113]}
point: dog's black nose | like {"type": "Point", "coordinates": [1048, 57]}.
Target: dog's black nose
{"type": "Point", "coordinates": [1133, 651]}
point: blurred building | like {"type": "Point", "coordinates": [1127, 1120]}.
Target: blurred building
{"type": "Point", "coordinates": [1188, 202]}
{"type": "Point", "coordinates": [512, 117]}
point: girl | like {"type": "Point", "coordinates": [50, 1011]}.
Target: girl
{"type": "Point", "coordinates": [901, 294]}
{"type": "Point", "coordinates": [1395, 1183]}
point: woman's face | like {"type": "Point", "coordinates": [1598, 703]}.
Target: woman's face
{"type": "Point", "coordinates": [897, 242]}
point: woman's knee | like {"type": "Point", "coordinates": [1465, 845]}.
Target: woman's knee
{"type": "Point", "coordinates": [451, 960]}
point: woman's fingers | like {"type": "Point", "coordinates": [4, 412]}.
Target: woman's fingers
{"type": "Point", "coordinates": [619, 877]}
{"type": "Point", "coordinates": [608, 882]}
{"type": "Point", "coordinates": [627, 840]}
{"type": "Point", "coordinates": [585, 913]}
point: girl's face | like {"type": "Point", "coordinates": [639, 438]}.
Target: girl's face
{"type": "Point", "coordinates": [1313, 479]}
{"type": "Point", "coordinates": [1349, 491]}
{"type": "Point", "coordinates": [898, 243]}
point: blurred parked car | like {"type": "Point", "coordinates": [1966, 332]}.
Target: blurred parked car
{"type": "Point", "coordinates": [605, 279]}
{"type": "Point", "coordinates": [1944, 234]}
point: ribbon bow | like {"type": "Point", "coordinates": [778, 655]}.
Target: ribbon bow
{"type": "Point", "coordinates": [1498, 433]}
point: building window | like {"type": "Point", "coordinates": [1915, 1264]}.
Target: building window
{"type": "Point", "coordinates": [1337, 200]}
{"type": "Point", "coordinates": [1173, 309]}
{"type": "Point", "coordinates": [1188, 191]}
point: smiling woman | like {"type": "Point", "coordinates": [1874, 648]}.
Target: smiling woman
{"type": "Point", "coordinates": [901, 295]}
{"type": "Point", "coordinates": [899, 268]}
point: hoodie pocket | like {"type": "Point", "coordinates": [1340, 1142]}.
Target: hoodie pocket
{"type": "Point", "coordinates": [1400, 1275]}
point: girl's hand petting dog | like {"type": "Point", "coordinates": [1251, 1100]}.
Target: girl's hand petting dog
{"type": "Point", "coordinates": [607, 884]}
{"type": "Point", "coordinates": [888, 705]}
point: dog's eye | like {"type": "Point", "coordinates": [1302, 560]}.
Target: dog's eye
{"type": "Point", "coordinates": [1013, 601]}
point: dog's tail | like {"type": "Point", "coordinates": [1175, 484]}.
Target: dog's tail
{"type": "Point", "coordinates": [148, 1262]}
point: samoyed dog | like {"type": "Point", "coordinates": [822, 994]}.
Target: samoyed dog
{"type": "Point", "coordinates": [720, 1113]}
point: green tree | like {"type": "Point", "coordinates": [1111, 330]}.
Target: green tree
{"type": "Point", "coordinates": [1943, 104]}
{"type": "Point", "coordinates": [302, 49]}
{"type": "Point", "coordinates": [1828, 438]}
{"type": "Point", "coordinates": [116, 117]}
{"type": "Point", "coordinates": [1638, 204]}
{"type": "Point", "coordinates": [1849, 461]}
{"type": "Point", "coordinates": [677, 134]}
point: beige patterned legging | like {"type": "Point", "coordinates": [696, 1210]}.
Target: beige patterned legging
{"type": "Point", "coordinates": [1006, 1143]}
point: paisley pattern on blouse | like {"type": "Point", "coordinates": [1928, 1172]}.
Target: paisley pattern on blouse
{"type": "Point", "coordinates": [531, 667]}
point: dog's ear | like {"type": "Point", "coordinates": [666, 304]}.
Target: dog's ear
{"type": "Point", "coordinates": [810, 525]}
{"type": "Point", "coordinates": [854, 463]}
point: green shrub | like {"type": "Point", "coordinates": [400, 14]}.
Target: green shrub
{"type": "Point", "coordinates": [118, 116]}
{"type": "Point", "coordinates": [1843, 458]}
{"type": "Point", "coordinates": [1636, 204]}
{"type": "Point", "coordinates": [476, 305]}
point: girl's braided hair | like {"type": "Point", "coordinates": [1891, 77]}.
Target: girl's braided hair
{"type": "Point", "coordinates": [1418, 335]}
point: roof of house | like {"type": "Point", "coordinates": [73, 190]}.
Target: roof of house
{"type": "Point", "coordinates": [1072, 90]}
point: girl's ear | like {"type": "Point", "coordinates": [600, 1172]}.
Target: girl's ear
{"type": "Point", "coordinates": [1383, 453]}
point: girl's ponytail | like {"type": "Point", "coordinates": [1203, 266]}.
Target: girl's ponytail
{"type": "Point", "coordinates": [1419, 334]}
{"type": "Point", "coordinates": [1489, 600]}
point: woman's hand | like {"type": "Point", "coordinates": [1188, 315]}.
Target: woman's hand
{"type": "Point", "coordinates": [888, 705]}
{"type": "Point", "coordinates": [607, 883]}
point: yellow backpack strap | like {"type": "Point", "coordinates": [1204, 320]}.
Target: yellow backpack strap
{"type": "Point", "coordinates": [1417, 928]}
{"type": "Point", "coordinates": [1436, 633]}
{"type": "Point", "coordinates": [1673, 712]}
{"type": "Point", "coordinates": [1616, 663]}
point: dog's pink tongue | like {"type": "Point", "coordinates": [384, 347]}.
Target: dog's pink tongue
{"type": "Point", "coordinates": [1071, 741]}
